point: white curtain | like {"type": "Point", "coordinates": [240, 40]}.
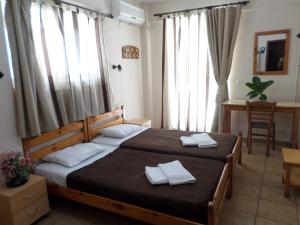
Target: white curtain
{"type": "Point", "coordinates": [69, 53]}
{"type": "Point", "coordinates": [189, 87]}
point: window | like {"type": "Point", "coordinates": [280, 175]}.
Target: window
{"type": "Point", "coordinates": [190, 87]}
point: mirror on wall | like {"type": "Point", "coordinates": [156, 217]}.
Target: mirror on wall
{"type": "Point", "coordinates": [271, 52]}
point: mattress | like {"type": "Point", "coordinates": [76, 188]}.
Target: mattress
{"type": "Point", "coordinates": [57, 174]}
{"type": "Point", "coordinates": [120, 176]}
{"type": "Point", "coordinates": [168, 142]}
{"type": "Point", "coordinates": [104, 140]}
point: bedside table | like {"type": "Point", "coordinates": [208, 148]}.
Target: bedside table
{"type": "Point", "coordinates": [291, 172]}
{"type": "Point", "coordinates": [24, 204]}
{"type": "Point", "coordinates": [142, 122]}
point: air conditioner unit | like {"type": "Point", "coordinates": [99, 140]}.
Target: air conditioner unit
{"type": "Point", "coordinates": [126, 12]}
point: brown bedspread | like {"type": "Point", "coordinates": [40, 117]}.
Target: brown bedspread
{"type": "Point", "coordinates": [120, 176]}
{"type": "Point", "coordinates": [167, 141]}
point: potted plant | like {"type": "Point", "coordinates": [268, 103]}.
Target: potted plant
{"type": "Point", "coordinates": [258, 87]}
{"type": "Point", "coordinates": [15, 167]}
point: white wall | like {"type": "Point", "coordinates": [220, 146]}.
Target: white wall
{"type": "Point", "coordinates": [156, 48]}
{"type": "Point", "coordinates": [262, 16]}
{"type": "Point", "coordinates": [146, 52]}
{"type": "Point", "coordinates": [127, 86]}
{"type": "Point", "coordinates": [102, 5]}
{"type": "Point", "coordinates": [259, 15]}
{"type": "Point", "coordinates": [8, 134]}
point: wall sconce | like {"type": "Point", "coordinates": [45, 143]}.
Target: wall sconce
{"type": "Point", "coordinates": [1, 74]}
{"type": "Point", "coordinates": [298, 35]}
{"type": "Point", "coordinates": [119, 67]}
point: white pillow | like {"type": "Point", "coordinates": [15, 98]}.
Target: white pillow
{"type": "Point", "coordinates": [121, 130]}
{"type": "Point", "coordinates": [74, 155]}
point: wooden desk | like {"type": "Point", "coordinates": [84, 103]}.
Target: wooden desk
{"type": "Point", "coordinates": [283, 107]}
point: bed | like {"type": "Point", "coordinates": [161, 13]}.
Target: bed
{"type": "Point", "coordinates": [135, 197]}
{"type": "Point", "coordinates": [167, 142]}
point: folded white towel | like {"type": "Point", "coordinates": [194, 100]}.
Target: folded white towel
{"type": "Point", "coordinates": [204, 140]}
{"type": "Point", "coordinates": [188, 141]}
{"type": "Point", "coordinates": [176, 173]}
{"type": "Point", "coordinates": [155, 175]}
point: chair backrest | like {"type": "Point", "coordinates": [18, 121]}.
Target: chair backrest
{"type": "Point", "coordinates": [260, 111]}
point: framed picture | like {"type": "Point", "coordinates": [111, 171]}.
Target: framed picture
{"type": "Point", "coordinates": [130, 52]}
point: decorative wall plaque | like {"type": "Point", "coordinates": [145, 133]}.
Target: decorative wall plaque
{"type": "Point", "coordinates": [130, 52]}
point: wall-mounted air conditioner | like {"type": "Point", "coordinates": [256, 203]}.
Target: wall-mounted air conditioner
{"type": "Point", "coordinates": [126, 12]}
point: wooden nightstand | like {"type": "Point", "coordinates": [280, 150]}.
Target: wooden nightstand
{"type": "Point", "coordinates": [25, 204]}
{"type": "Point", "coordinates": [291, 166]}
{"type": "Point", "coordinates": [142, 122]}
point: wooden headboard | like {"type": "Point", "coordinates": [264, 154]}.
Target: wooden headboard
{"type": "Point", "coordinates": [96, 123]}
{"type": "Point", "coordinates": [68, 135]}
{"type": "Point", "coordinates": [71, 134]}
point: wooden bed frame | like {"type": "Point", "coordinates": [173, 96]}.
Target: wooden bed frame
{"type": "Point", "coordinates": [96, 123]}
{"type": "Point", "coordinates": [78, 133]}
{"type": "Point", "coordinates": [85, 130]}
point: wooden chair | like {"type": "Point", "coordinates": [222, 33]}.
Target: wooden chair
{"type": "Point", "coordinates": [260, 116]}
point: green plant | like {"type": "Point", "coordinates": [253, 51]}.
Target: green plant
{"type": "Point", "coordinates": [258, 87]}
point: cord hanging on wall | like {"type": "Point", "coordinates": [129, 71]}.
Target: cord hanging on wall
{"type": "Point", "coordinates": [119, 67]}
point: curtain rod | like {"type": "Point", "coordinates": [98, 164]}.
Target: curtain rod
{"type": "Point", "coordinates": [81, 7]}
{"type": "Point", "coordinates": [206, 7]}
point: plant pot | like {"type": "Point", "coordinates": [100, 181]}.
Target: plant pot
{"type": "Point", "coordinates": [16, 181]}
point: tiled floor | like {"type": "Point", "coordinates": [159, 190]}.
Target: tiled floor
{"type": "Point", "coordinates": [258, 199]}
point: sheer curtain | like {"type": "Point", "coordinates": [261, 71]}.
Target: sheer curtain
{"type": "Point", "coordinates": [69, 54]}
{"type": "Point", "coordinates": [189, 87]}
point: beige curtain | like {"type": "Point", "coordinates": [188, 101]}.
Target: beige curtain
{"type": "Point", "coordinates": [189, 87]}
{"type": "Point", "coordinates": [101, 43]}
{"type": "Point", "coordinates": [59, 64]}
{"type": "Point", "coordinates": [35, 109]}
{"type": "Point", "coordinates": [222, 29]}
{"type": "Point", "coordinates": [72, 59]}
